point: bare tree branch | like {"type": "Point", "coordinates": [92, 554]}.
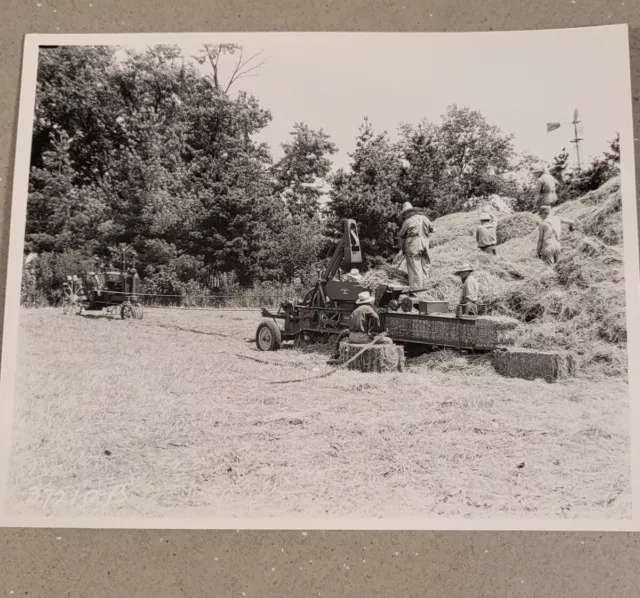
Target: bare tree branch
{"type": "Point", "coordinates": [241, 71]}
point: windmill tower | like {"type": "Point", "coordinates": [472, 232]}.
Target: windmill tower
{"type": "Point", "coordinates": [576, 140]}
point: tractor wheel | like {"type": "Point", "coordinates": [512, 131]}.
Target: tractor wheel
{"type": "Point", "coordinates": [268, 336]}
{"type": "Point", "coordinates": [126, 311]}
{"type": "Point", "coordinates": [138, 311]}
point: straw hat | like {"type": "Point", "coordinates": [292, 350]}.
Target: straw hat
{"type": "Point", "coordinates": [484, 216]}
{"type": "Point", "coordinates": [354, 272]}
{"type": "Point", "coordinates": [406, 208]}
{"type": "Point", "coordinates": [365, 298]}
{"type": "Point", "coordinates": [544, 209]}
{"type": "Point", "coordinates": [464, 268]}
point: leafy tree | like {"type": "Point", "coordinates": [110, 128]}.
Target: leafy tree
{"type": "Point", "coordinates": [424, 175]}
{"type": "Point", "coordinates": [303, 171]}
{"type": "Point", "coordinates": [560, 164]}
{"type": "Point", "coordinates": [476, 154]}
{"type": "Point", "coordinates": [370, 192]}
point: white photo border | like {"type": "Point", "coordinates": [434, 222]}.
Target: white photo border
{"type": "Point", "coordinates": [8, 360]}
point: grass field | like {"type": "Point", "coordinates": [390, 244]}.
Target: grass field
{"type": "Point", "coordinates": [172, 416]}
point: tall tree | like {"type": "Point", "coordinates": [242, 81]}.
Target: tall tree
{"type": "Point", "coordinates": [476, 154]}
{"type": "Point", "coordinates": [302, 173]}
{"type": "Point", "coordinates": [423, 177]}
{"type": "Point", "coordinates": [370, 192]}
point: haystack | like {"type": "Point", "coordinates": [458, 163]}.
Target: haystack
{"type": "Point", "coordinates": [594, 198]}
{"type": "Point", "coordinates": [531, 365]}
{"type": "Point", "coordinates": [378, 358]}
{"type": "Point", "coordinates": [516, 225]}
{"type": "Point", "coordinates": [592, 262]}
{"type": "Point", "coordinates": [453, 227]}
{"type": "Point", "coordinates": [579, 306]}
{"type": "Point", "coordinates": [605, 222]}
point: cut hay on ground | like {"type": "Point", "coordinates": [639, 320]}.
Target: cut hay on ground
{"type": "Point", "coordinates": [191, 430]}
{"type": "Point", "coordinates": [516, 225]}
{"type": "Point", "coordinates": [452, 362]}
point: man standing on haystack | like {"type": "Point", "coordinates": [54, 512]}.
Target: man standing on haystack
{"type": "Point", "coordinates": [469, 293]}
{"type": "Point", "coordinates": [486, 233]}
{"type": "Point", "coordinates": [414, 242]}
{"type": "Point", "coordinates": [545, 188]}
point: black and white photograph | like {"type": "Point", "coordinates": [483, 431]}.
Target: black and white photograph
{"type": "Point", "coordinates": [296, 279]}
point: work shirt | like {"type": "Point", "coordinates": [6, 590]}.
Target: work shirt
{"type": "Point", "coordinates": [546, 190]}
{"type": "Point", "coordinates": [547, 238]}
{"type": "Point", "coordinates": [414, 235]}
{"type": "Point", "coordinates": [360, 318]}
{"type": "Point", "coordinates": [556, 222]}
{"type": "Point", "coordinates": [469, 292]}
{"type": "Point", "coordinates": [486, 234]}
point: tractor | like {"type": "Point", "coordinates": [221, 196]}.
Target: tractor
{"type": "Point", "coordinates": [113, 290]}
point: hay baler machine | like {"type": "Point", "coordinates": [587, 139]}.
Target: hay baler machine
{"type": "Point", "coordinates": [115, 291]}
{"type": "Point", "coordinates": [326, 310]}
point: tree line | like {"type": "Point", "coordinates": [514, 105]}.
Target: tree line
{"type": "Point", "coordinates": [155, 153]}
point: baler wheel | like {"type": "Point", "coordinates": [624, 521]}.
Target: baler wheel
{"type": "Point", "coordinates": [268, 336]}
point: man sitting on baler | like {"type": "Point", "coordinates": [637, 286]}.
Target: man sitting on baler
{"type": "Point", "coordinates": [364, 321]}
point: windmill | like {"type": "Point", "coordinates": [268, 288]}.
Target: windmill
{"type": "Point", "coordinates": [576, 138]}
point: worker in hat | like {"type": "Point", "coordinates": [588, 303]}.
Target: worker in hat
{"type": "Point", "coordinates": [486, 233]}
{"type": "Point", "coordinates": [549, 231]}
{"type": "Point", "coordinates": [414, 242]}
{"type": "Point", "coordinates": [545, 193]}
{"type": "Point", "coordinates": [354, 275]}
{"type": "Point", "coordinates": [469, 292]}
{"type": "Point", "coordinates": [547, 213]}
{"type": "Point", "coordinates": [364, 321]}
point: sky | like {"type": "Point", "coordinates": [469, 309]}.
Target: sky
{"type": "Point", "coordinates": [519, 81]}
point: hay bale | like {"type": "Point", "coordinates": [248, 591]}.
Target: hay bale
{"type": "Point", "coordinates": [516, 225]}
{"type": "Point", "coordinates": [378, 358]}
{"type": "Point", "coordinates": [531, 365]}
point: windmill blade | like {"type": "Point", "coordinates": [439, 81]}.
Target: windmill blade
{"type": "Point", "coordinates": [575, 115]}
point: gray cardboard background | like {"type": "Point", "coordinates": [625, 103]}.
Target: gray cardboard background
{"type": "Point", "coordinates": [51, 563]}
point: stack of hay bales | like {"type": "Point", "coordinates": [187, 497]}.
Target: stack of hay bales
{"type": "Point", "coordinates": [578, 307]}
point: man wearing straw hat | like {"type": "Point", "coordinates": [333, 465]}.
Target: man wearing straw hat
{"type": "Point", "coordinates": [469, 294]}
{"type": "Point", "coordinates": [364, 320]}
{"type": "Point", "coordinates": [486, 234]}
{"type": "Point", "coordinates": [354, 275]}
{"type": "Point", "coordinates": [546, 187]}
{"type": "Point", "coordinates": [414, 241]}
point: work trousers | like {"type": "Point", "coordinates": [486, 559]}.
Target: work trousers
{"type": "Point", "coordinates": [551, 254]}
{"type": "Point", "coordinates": [549, 199]}
{"type": "Point", "coordinates": [469, 309]}
{"type": "Point", "coordinates": [418, 270]}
